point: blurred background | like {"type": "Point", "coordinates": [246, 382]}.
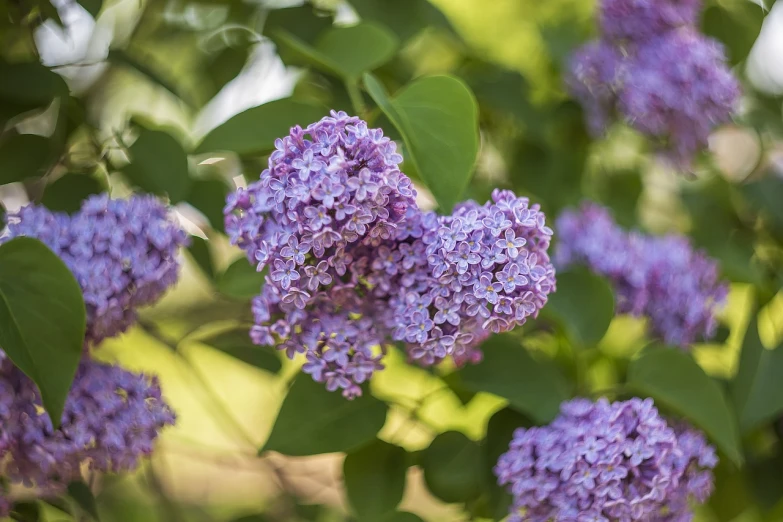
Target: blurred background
{"type": "Point", "coordinates": [133, 68]}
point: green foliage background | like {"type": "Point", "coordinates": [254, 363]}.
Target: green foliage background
{"type": "Point", "coordinates": [472, 90]}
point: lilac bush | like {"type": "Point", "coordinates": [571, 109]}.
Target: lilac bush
{"type": "Point", "coordinates": [453, 280]}
{"type": "Point", "coordinates": [659, 277]}
{"type": "Point", "coordinates": [332, 193]}
{"type": "Point", "coordinates": [112, 418]}
{"type": "Point", "coordinates": [123, 253]}
{"type": "Point", "coordinates": [602, 461]}
{"type": "Point", "coordinates": [654, 70]}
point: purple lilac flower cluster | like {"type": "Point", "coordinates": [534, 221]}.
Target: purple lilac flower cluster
{"type": "Point", "coordinates": [660, 277]}
{"type": "Point", "coordinates": [121, 251]}
{"type": "Point", "coordinates": [111, 420]}
{"type": "Point", "coordinates": [353, 263]}
{"type": "Point", "coordinates": [331, 193]}
{"type": "Point", "coordinates": [451, 280]}
{"type": "Point", "coordinates": [654, 69]}
{"type": "Point", "coordinates": [602, 461]}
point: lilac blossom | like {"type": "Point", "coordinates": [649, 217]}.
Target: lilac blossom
{"type": "Point", "coordinates": [111, 420]}
{"type": "Point", "coordinates": [123, 253]}
{"type": "Point", "coordinates": [331, 196]}
{"type": "Point", "coordinates": [607, 461]}
{"type": "Point", "coordinates": [659, 277]}
{"type": "Point", "coordinates": [655, 71]}
{"type": "Point", "coordinates": [456, 284]}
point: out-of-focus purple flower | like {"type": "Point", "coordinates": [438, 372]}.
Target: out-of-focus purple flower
{"type": "Point", "coordinates": [660, 277]}
{"type": "Point", "coordinates": [483, 269]}
{"type": "Point", "coordinates": [318, 217]}
{"type": "Point", "coordinates": [607, 461]}
{"type": "Point", "coordinates": [654, 70]}
{"type": "Point", "coordinates": [637, 21]}
{"type": "Point", "coordinates": [677, 89]}
{"type": "Point", "coordinates": [123, 253]}
{"type": "Point", "coordinates": [111, 420]}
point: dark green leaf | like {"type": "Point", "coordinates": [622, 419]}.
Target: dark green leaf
{"type": "Point", "coordinates": [402, 516]}
{"type": "Point", "coordinates": [209, 197]}
{"type": "Point", "coordinates": [200, 251]}
{"type": "Point", "coordinates": [452, 467]}
{"type": "Point", "coordinates": [23, 156]}
{"type": "Point", "coordinates": [621, 191]}
{"type": "Point", "coordinates": [584, 305]}
{"type": "Point", "coordinates": [375, 479]}
{"type": "Point", "coordinates": [122, 58]}
{"type": "Point", "coordinates": [237, 343]}
{"type": "Point", "coordinates": [672, 377]}
{"type": "Point", "coordinates": [405, 17]}
{"type": "Point", "coordinates": [67, 193]}
{"type": "Point", "coordinates": [42, 318]}
{"type": "Point", "coordinates": [2, 215]}
{"type": "Point", "coordinates": [253, 132]}
{"type": "Point", "coordinates": [766, 195]}
{"type": "Point", "coordinates": [159, 165]}
{"type": "Point", "coordinates": [30, 84]}
{"type": "Point", "coordinates": [438, 119]}
{"type": "Point", "coordinates": [736, 23]}
{"type": "Point", "coordinates": [507, 92]}
{"type": "Point", "coordinates": [303, 22]}
{"type": "Point", "coordinates": [92, 6]}
{"type": "Point", "coordinates": [313, 420]}
{"type": "Point", "coordinates": [240, 280]}
{"type": "Point", "coordinates": [26, 512]}
{"type": "Point", "coordinates": [533, 387]}
{"type": "Point", "coordinates": [500, 430]}
{"type": "Point", "coordinates": [226, 65]}
{"type": "Point", "coordinates": [755, 391]}
{"type": "Point", "coordinates": [82, 495]}
{"type": "Point", "coordinates": [346, 51]}
{"type": "Point", "coordinates": [454, 381]}
{"type": "Point", "coordinates": [259, 517]}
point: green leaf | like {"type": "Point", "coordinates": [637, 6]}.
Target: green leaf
{"type": "Point", "coordinates": [42, 319]}
{"type": "Point", "coordinates": [621, 191]}
{"type": "Point", "coordinates": [26, 511]}
{"type": "Point", "coordinates": [737, 24]}
{"type": "Point", "coordinates": [258, 517]}
{"type": "Point", "coordinates": [454, 381]}
{"type": "Point", "coordinates": [584, 304]}
{"type": "Point", "coordinates": [92, 6]}
{"type": "Point", "coordinates": [122, 58]}
{"type": "Point", "coordinates": [346, 51]}
{"type": "Point", "coordinates": [200, 251]}
{"type": "Point", "coordinates": [67, 193]}
{"type": "Point", "coordinates": [253, 132]}
{"type": "Point", "coordinates": [500, 430]}
{"type": "Point", "coordinates": [159, 165]}
{"type": "Point", "coordinates": [82, 495]}
{"type": "Point", "coordinates": [375, 479]}
{"type": "Point", "coordinates": [237, 344]}
{"type": "Point", "coordinates": [402, 516]}
{"type": "Point", "coordinates": [766, 195]}
{"type": "Point", "coordinates": [452, 467]}
{"type": "Point", "coordinates": [505, 91]}
{"type": "Point", "coordinates": [405, 17]}
{"type": "Point", "coordinates": [240, 280]}
{"type": "Point", "coordinates": [533, 387]}
{"type": "Point", "coordinates": [437, 117]}
{"type": "Point", "coordinates": [313, 420]}
{"type": "Point", "coordinates": [755, 390]}
{"type": "Point", "coordinates": [209, 197]}
{"type": "Point", "coordinates": [23, 156]}
{"type": "Point", "coordinates": [303, 22]}
{"type": "Point", "coordinates": [672, 377]}
{"type": "Point", "coordinates": [30, 84]}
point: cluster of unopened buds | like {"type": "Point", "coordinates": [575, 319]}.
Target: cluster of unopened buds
{"type": "Point", "coordinates": [654, 70]}
{"type": "Point", "coordinates": [123, 253]}
{"type": "Point", "coordinates": [353, 264]}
